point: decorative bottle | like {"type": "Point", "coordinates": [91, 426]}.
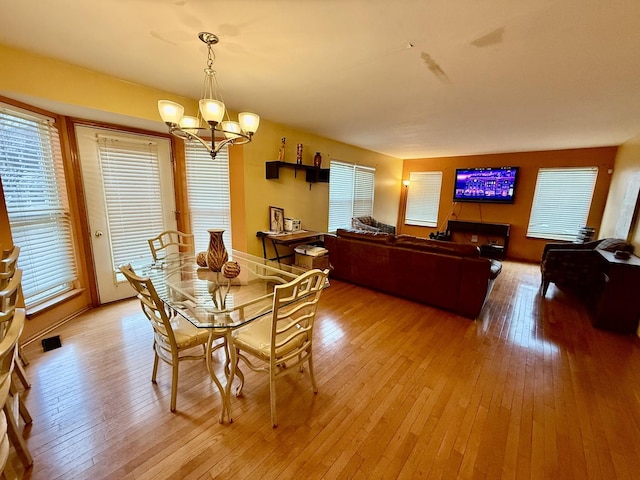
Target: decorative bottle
{"type": "Point", "coordinates": [217, 254]}
{"type": "Point", "coordinates": [317, 160]}
{"type": "Point", "coordinates": [299, 154]}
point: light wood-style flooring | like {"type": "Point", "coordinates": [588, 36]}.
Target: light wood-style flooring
{"type": "Point", "coordinates": [529, 390]}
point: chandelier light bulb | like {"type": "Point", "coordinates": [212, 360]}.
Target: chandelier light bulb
{"type": "Point", "coordinates": [231, 129]}
{"type": "Point", "coordinates": [170, 112]}
{"type": "Point", "coordinates": [190, 124]}
{"type": "Point", "coordinates": [249, 122]}
{"type": "Point", "coordinates": [212, 110]}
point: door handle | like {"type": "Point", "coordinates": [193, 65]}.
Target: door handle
{"type": "Point", "coordinates": [97, 233]}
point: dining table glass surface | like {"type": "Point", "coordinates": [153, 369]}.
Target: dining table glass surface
{"type": "Point", "coordinates": [209, 299]}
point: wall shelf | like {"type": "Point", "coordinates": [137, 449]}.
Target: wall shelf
{"type": "Point", "coordinates": [312, 174]}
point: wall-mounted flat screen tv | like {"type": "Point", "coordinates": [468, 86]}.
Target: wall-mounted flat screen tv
{"type": "Point", "coordinates": [495, 185]}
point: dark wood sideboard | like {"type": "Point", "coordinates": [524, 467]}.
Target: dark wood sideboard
{"type": "Point", "coordinates": [486, 232]}
{"type": "Point", "coordinates": [618, 305]}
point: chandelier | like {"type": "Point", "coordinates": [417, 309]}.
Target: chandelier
{"type": "Point", "coordinates": [212, 112]}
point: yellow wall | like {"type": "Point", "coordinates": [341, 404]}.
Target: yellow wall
{"type": "Point", "coordinates": [31, 75]}
{"type": "Point", "coordinates": [299, 200]}
{"type": "Point", "coordinates": [517, 214]}
{"type": "Point", "coordinates": [627, 167]}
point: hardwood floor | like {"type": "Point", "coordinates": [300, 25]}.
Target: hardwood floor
{"type": "Point", "coordinates": [529, 390]}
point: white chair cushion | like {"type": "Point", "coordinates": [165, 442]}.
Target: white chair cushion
{"type": "Point", "coordinates": [255, 338]}
{"type": "Point", "coordinates": [188, 334]}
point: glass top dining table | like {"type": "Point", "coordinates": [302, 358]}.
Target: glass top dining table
{"type": "Point", "coordinates": [210, 300]}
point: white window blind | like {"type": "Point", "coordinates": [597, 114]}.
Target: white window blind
{"type": "Point", "coordinates": [350, 193]}
{"type": "Point", "coordinates": [35, 193]}
{"type": "Point", "coordinates": [131, 177]}
{"type": "Point", "coordinates": [561, 202]}
{"type": "Point", "coordinates": [209, 194]}
{"type": "Point", "coordinates": [423, 198]}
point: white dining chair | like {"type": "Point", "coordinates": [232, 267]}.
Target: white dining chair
{"type": "Point", "coordinates": [174, 337]}
{"type": "Point", "coordinates": [12, 407]}
{"type": "Point", "coordinates": [281, 343]}
{"type": "Point", "coordinates": [170, 241]}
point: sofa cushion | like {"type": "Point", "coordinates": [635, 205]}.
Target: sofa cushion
{"type": "Point", "coordinates": [437, 246]}
{"type": "Point", "coordinates": [379, 237]}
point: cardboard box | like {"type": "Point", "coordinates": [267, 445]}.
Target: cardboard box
{"type": "Point", "coordinates": [308, 262]}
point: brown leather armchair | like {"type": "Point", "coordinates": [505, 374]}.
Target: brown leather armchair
{"type": "Point", "coordinates": [577, 265]}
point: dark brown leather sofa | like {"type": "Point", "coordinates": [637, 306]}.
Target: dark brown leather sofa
{"type": "Point", "coordinates": [443, 274]}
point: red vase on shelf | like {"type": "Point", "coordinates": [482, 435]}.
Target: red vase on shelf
{"type": "Point", "coordinates": [317, 160]}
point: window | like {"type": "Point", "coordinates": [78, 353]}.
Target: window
{"type": "Point", "coordinates": [209, 194]}
{"type": "Point", "coordinates": [561, 202]}
{"type": "Point", "coordinates": [350, 193]}
{"type": "Point", "coordinates": [423, 199]}
{"type": "Point", "coordinates": [35, 193]}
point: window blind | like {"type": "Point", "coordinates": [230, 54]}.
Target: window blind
{"type": "Point", "coordinates": [351, 192]}
{"type": "Point", "coordinates": [35, 193]}
{"type": "Point", "coordinates": [131, 177]}
{"type": "Point", "coordinates": [423, 198]}
{"type": "Point", "coordinates": [209, 194]}
{"type": "Point", "coordinates": [561, 202]}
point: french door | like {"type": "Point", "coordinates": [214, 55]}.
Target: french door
{"type": "Point", "coordinates": [130, 198]}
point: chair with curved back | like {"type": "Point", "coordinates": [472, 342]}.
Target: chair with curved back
{"type": "Point", "coordinates": [173, 336]}
{"type": "Point", "coordinates": [11, 325]}
{"type": "Point", "coordinates": [170, 241]}
{"type": "Point", "coordinates": [8, 350]}
{"type": "Point", "coordinates": [8, 265]}
{"type": "Point", "coordinates": [284, 340]}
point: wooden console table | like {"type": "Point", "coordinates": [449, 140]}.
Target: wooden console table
{"type": "Point", "coordinates": [287, 239]}
{"type": "Point", "coordinates": [500, 230]}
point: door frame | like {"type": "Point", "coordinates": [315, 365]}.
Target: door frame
{"type": "Point", "coordinates": [84, 233]}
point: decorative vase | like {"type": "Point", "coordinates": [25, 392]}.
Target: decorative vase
{"type": "Point", "coordinates": [299, 154]}
{"type": "Point", "coordinates": [317, 160]}
{"type": "Point", "coordinates": [217, 254]}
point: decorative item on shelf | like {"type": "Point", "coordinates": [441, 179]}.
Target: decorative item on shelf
{"type": "Point", "coordinates": [317, 160]}
{"type": "Point", "coordinates": [217, 254]}
{"type": "Point", "coordinates": [299, 154]}
{"type": "Point", "coordinates": [281, 149]}
{"type": "Point", "coordinates": [212, 112]}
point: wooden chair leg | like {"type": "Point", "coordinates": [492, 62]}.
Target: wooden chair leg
{"type": "Point", "coordinates": [23, 357]}
{"type": "Point", "coordinates": [16, 438]}
{"type": "Point", "coordinates": [24, 412]}
{"type": "Point", "coordinates": [22, 374]}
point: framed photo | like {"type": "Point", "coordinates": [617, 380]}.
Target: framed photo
{"type": "Point", "coordinates": [276, 219]}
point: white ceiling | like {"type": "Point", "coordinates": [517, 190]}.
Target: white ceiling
{"type": "Point", "coordinates": [408, 78]}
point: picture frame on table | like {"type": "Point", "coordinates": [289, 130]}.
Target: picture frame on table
{"type": "Point", "coordinates": [276, 219]}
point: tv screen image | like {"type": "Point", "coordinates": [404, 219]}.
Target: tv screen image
{"type": "Point", "coordinates": [497, 185]}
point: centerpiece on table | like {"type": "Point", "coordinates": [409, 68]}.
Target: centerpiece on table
{"type": "Point", "coordinates": [216, 260]}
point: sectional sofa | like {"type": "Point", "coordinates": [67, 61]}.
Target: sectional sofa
{"type": "Point", "coordinates": [443, 274]}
